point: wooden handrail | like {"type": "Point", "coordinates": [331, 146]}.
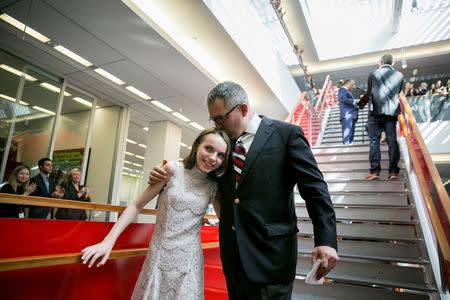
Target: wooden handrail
{"type": "Point", "coordinates": [61, 203]}
{"type": "Point", "coordinates": [440, 189]}
{"type": "Point", "coordinates": [27, 262]}
{"type": "Point", "coordinates": [288, 119]}
{"type": "Point", "coordinates": [300, 116]}
{"type": "Point", "coordinates": [436, 223]}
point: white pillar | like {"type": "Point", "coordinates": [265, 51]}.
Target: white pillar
{"type": "Point", "coordinates": [163, 143]}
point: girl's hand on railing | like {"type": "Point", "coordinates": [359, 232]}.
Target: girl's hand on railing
{"type": "Point", "coordinates": [95, 252]}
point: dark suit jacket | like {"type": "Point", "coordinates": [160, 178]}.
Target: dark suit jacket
{"type": "Point", "coordinates": [264, 242]}
{"type": "Point", "coordinates": [71, 193]}
{"type": "Point", "coordinates": [347, 107]}
{"type": "Point", "coordinates": [39, 212]}
{"type": "Point", "coordinates": [383, 86]}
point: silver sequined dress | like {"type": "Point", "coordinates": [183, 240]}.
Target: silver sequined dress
{"type": "Point", "coordinates": [173, 268]}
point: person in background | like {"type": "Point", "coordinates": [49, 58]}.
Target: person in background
{"type": "Point", "coordinates": [423, 90]}
{"type": "Point", "coordinates": [383, 88]}
{"type": "Point", "coordinates": [348, 109]}
{"type": "Point", "coordinates": [19, 184]}
{"type": "Point", "coordinates": [45, 187]}
{"type": "Point", "coordinates": [440, 90]}
{"type": "Point", "coordinates": [74, 191]}
{"type": "Point", "coordinates": [432, 89]}
{"type": "Point", "coordinates": [408, 90]}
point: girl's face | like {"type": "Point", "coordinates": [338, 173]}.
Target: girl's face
{"type": "Point", "coordinates": [23, 176]}
{"type": "Point", "coordinates": [76, 177]}
{"type": "Point", "coordinates": [210, 153]}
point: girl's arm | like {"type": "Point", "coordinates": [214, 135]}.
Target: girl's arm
{"type": "Point", "coordinates": [103, 249]}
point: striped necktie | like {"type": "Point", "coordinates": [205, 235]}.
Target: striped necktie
{"type": "Point", "coordinates": [238, 157]}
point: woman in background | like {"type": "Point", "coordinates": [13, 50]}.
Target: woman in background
{"type": "Point", "coordinates": [74, 191]}
{"type": "Point", "coordinates": [19, 184]}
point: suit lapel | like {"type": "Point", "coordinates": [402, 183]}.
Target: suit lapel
{"type": "Point", "coordinates": [265, 130]}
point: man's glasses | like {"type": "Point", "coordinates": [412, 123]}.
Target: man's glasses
{"type": "Point", "coordinates": [219, 119]}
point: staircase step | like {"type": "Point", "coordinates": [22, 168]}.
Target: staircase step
{"type": "Point", "coordinates": [338, 133]}
{"type": "Point", "coordinates": [352, 175]}
{"type": "Point", "coordinates": [331, 150]}
{"type": "Point", "coordinates": [360, 186]}
{"type": "Point", "coordinates": [371, 273]}
{"type": "Point", "coordinates": [366, 231]}
{"type": "Point", "coordinates": [335, 290]}
{"type": "Point", "coordinates": [385, 215]}
{"type": "Point", "coordinates": [387, 252]}
{"type": "Point", "coordinates": [335, 140]}
{"type": "Point", "coordinates": [361, 200]}
{"type": "Point", "coordinates": [347, 157]}
{"type": "Point", "coordinates": [353, 165]}
{"type": "Point", "coordinates": [338, 147]}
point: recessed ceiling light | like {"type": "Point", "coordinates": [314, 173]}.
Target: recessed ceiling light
{"type": "Point", "coordinates": [162, 106]}
{"type": "Point", "coordinates": [138, 92]}
{"type": "Point", "coordinates": [73, 55]}
{"type": "Point", "coordinates": [180, 116]}
{"type": "Point", "coordinates": [196, 125]}
{"type": "Point", "coordinates": [190, 148]}
{"type": "Point", "coordinates": [82, 101]}
{"type": "Point", "coordinates": [53, 88]}
{"type": "Point", "coordinates": [109, 76]}
{"type": "Point", "coordinates": [145, 128]}
{"type": "Point", "coordinates": [8, 98]}
{"type": "Point", "coordinates": [43, 110]}
{"type": "Point", "coordinates": [131, 141]}
{"type": "Point", "coordinates": [414, 73]}
{"type": "Point", "coordinates": [129, 153]}
{"type": "Point", "coordinates": [141, 157]}
{"type": "Point", "coordinates": [183, 145]}
{"type": "Point", "coordinates": [17, 72]}
{"type": "Point", "coordinates": [137, 165]}
{"type": "Point", "coordinates": [180, 159]}
{"type": "Point", "coordinates": [19, 25]}
{"type": "Point", "coordinates": [142, 145]}
{"type": "Point", "coordinates": [128, 162]}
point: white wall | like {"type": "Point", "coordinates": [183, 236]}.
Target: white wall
{"type": "Point", "coordinates": [103, 141]}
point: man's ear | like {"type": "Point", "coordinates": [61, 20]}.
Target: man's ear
{"type": "Point", "coordinates": [244, 108]}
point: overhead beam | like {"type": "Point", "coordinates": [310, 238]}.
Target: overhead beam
{"type": "Point", "coordinates": [397, 7]}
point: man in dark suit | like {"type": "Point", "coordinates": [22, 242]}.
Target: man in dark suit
{"type": "Point", "coordinates": [348, 109]}
{"type": "Point", "coordinates": [383, 87]}
{"type": "Point", "coordinates": [258, 224]}
{"type": "Point", "coordinates": [45, 188]}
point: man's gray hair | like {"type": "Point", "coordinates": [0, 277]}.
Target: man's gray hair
{"type": "Point", "coordinates": [387, 59]}
{"type": "Point", "coordinates": [231, 93]}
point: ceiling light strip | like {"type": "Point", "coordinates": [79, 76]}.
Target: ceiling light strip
{"type": "Point", "coordinates": [138, 92]}
{"type": "Point", "coordinates": [73, 55]}
{"type": "Point", "coordinates": [109, 76]}
{"type": "Point", "coordinates": [28, 30]}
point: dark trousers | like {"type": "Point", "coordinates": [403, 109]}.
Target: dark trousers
{"type": "Point", "coordinates": [377, 124]}
{"type": "Point", "coordinates": [239, 287]}
{"type": "Point", "coordinates": [348, 130]}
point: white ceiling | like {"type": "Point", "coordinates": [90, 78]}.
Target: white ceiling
{"type": "Point", "coordinates": [371, 24]}
{"type": "Point", "coordinates": [302, 35]}
{"type": "Point", "coordinates": [111, 36]}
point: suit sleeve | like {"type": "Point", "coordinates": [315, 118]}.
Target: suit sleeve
{"type": "Point", "coordinates": [312, 188]}
{"type": "Point", "coordinates": [344, 97]}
